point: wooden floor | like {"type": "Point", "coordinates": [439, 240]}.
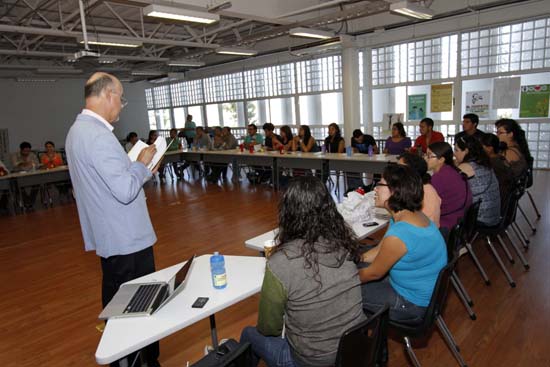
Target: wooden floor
{"type": "Point", "coordinates": [51, 287]}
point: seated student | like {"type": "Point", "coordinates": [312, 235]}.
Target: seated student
{"type": "Point", "coordinates": [304, 142]}
{"type": "Point", "coordinates": [431, 203]}
{"type": "Point", "coordinates": [450, 184]}
{"type": "Point", "coordinates": [284, 141]}
{"type": "Point", "coordinates": [26, 160]}
{"type": "Point", "coordinates": [427, 135]}
{"type": "Point", "coordinates": [153, 135]}
{"type": "Point", "coordinates": [515, 148]}
{"type": "Point", "coordinates": [174, 144]}
{"type": "Point", "coordinates": [50, 159]}
{"type": "Point", "coordinates": [500, 165]}
{"type": "Point", "coordinates": [253, 137]}
{"type": "Point", "coordinates": [201, 139]}
{"type": "Point", "coordinates": [360, 142]}
{"type": "Point", "coordinates": [226, 141]}
{"type": "Point", "coordinates": [474, 162]}
{"type": "Point", "coordinates": [398, 143]}
{"type": "Point", "coordinates": [469, 127]}
{"type": "Point", "coordinates": [412, 252]}
{"type": "Point", "coordinates": [334, 143]}
{"type": "Point", "coordinates": [270, 136]}
{"type": "Point", "coordinates": [131, 140]}
{"type": "Point", "coordinates": [310, 285]}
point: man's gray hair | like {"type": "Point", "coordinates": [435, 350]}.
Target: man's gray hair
{"type": "Point", "coordinates": [94, 87]}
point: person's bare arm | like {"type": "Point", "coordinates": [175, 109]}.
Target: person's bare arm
{"type": "Point", "coordinates": [391, 249]}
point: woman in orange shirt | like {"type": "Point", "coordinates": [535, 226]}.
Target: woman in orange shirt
{"type": "Point", "coordinates": [51, 158]}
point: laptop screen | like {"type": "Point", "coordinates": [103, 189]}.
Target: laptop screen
{"type": "Point", "coordinates": [182, 273]}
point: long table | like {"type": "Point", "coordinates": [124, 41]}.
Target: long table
{"type": "Point", "coordinates": [295, 160]}
{"type": "Point", "coordinates": [257, 243]}
{"type": "Point", "coordinates": [15, 182]}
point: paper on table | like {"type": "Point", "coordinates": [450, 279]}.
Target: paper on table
{"type": "Point", "coordinates": [139, 146]}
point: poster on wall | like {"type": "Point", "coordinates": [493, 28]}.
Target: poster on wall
{"type": "Point", "coordinates": [417, 107]}
{"type": "Point", "coordinates": [534, 100]}
{"type": "Point", "coordinates": [389, 119]}
{"type": "Point", "coordinates": [442, 98]}
{"type": "Point", "coordinates": [478, 102]}
{"type": "Point", "coordinates": [506, 92]}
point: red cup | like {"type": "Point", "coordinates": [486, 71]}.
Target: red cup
{"type": "Point", "coordinates": [242, 147]}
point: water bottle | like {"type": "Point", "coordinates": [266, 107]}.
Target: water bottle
{"type": "Point", "coordinates": [183, 143]}
{"type": "Point", "coordinates": [370, 150]}
{"type": "Point", "coordinates": [217, 268]}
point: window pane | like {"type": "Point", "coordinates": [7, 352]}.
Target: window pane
{"type": "Point", "coordinates": [196, 112]}
{"type": "Point", "coordinates": [213, 115]}
{"type": "Point", "coordinates": [152, 120]}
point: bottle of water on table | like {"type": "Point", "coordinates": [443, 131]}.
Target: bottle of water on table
{"type": "Point", "coordinates": [217, 269]}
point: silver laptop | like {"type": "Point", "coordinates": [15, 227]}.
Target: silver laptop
{"type": "Point", "coordinates": [144, 299]}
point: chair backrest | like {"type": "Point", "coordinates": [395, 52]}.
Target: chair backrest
{"type": "Point", "coordinates": [454, 241]}
{"type": "Point", "coordinates": [510, 207]}
{"type": "Point", "coordinates": [439, 296]}
{"type": "Point", "coordinates": [469, 222]}
{"type": "Point", "coordinates": [361, 346]}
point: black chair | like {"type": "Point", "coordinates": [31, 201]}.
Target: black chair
{"type": "Point", "coordinates": [454, 242]}
{"type": "Point", "coordinates": [363, 344]}
{"type": "Point", "coordinates": [507, 218]}
{"type": "Point", "coordinates": [433, 315]}
{"type": "Point", "coordinates": [529, 184]}
{"type": "Point", "coordinates": [469, 225]}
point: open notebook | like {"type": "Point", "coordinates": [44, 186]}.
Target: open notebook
{"type": "Point", "coordinates": [161, 149]}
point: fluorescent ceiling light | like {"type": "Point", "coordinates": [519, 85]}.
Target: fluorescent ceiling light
{"type": "Point", "coordinates": [34, 80]}
{"type": "Point", "coordinates": [183, 62]}
{"type": "Point", "coordinates": [413, 10]}
{"type": "Point", "coordinates": [101, 40]}
{"type": "Point", "coordinates": [186, 15]}
{"type": "Point", "coordinates": [107, 60]}
{"type": "Point", "coordinates": [236, 51]}
{"type": "Point", "coordinates": [311, 33]}
{"type": "Point", "coordinates": [68, 70]}
{"type": "Point", "coordinates": [147, 72]}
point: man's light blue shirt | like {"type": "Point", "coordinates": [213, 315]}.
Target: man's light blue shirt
{"type": "Point", "coordinates": [108, 188]}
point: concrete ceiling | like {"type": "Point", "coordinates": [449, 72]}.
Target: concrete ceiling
{"type": "Point", "coordinates": [38, 36]}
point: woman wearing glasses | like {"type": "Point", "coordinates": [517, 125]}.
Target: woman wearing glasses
{"type": "Point", "coordinates": [516, 150]}
{"type": "Point", "coordinates": [412, 251]}
{"type": "Point", "coordinates": [451, 185]}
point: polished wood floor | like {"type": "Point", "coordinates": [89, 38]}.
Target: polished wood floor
{"type": "Point", "coordinates": [51, 288]}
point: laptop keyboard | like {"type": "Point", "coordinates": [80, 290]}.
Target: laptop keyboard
{"type": "Point", "coordinates": [141, 301]}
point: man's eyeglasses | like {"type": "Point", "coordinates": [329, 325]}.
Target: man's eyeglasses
{"type": "Point", "coordinates": [123, 101]}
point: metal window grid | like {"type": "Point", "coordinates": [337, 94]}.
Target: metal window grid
{"type": "Point", "coordinates": [511, 47]}
{"type": "Point", "coordinates": [161, 96]}
{"type": "Point", "coordinates": [319, 75]}
{"type": "Point", "coordinates": [421, 60]}
{"type": "Point", "coordinates": [187, 93]}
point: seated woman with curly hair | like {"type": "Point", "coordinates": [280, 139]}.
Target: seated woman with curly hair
{"type": "Point", "coordinates": [403, 268]}
{"type": "Point", "coordinates": [311, 285]}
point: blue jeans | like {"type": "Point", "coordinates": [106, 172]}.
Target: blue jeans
{"type": "Point", "coordinates": [274, 350]}
{"type": "Point", "coordinates": [378, 293]}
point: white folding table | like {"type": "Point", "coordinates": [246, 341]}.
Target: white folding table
{"type": "Point", "coordinates": [257, 243]}
{"type": "Point", "coordinates": [123, 336]}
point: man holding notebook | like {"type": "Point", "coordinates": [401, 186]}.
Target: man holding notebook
{"type": "Point", "coordinates": [108, 189]}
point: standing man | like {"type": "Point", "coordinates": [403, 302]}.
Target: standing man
{"type": "Point", "coordinates": [469, 127]}
{"type": "Point", "coordinates": [189, 130]}
{"type": "Point", "coordinates": [427, 135]}
{"type": "Point", "coordinates": [109, 196]}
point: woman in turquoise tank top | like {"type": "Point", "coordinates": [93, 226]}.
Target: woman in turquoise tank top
{"type": "Point", "coordinates": [402, 270]}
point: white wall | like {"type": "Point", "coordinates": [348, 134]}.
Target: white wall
{"type": "Point", "coordinates": [41, 111]}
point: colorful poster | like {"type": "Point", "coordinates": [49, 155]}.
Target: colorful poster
{"type": "Point", "coordinates": [506, 92]}
{"type": "Point", "coordinates": [534, 100]}
{"type": "Point", "coordinates": [478, 102]}
{"type": "Point", "coordinates": [442, 98]}
{"type": "Point", "coordinates": [417, 107]}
